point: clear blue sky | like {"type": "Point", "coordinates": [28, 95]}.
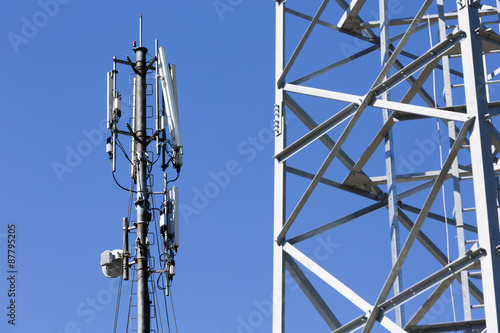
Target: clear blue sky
{"type": "Point", "coordinates": [55, 56]}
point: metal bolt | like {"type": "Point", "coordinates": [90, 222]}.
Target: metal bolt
{"type": "Point", "coordinates": [498, 250]}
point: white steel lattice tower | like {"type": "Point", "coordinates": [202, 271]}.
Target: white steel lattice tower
{"type": "Point", "coordinates": [379, 125]}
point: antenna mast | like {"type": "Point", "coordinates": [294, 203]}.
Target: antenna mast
{"type": "Point", "coordinates": [114, 263]}
{"type": "Point", "coordinates": [142, 201]}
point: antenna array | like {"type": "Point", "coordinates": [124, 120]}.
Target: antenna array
{"type": "Point", "coordinates": [168, 153]}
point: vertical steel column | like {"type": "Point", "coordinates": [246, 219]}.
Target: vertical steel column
{"type": "Point", "coordinates": [142, 201]}
{"type": "Point", "coordinates": [390, 165]}
{"type": "Point", "coordinates": [457, 194]}
{"type": "Point", "coordinates": [498, 16]}
{"type": "Point", "coordinates": [482, 161]}
{"type": "Point", "coordinates": [279, 179]}
{"type": "Point", "coordinates": [126, 254]}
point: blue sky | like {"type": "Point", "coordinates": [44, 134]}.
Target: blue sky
{"type": "Point", "coordinates": [54, 90]}
{"type": "Point", "coordinates": [57, 184]}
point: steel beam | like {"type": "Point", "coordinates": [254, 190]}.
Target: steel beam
{"type": "Point", "coordinates": [417, 226]}
{"type": "Point", "coordinates": [337, 222]}
{"type": "Point", "coordinates": [488, 36]}
{"type": "Point", "coordinates": [336, 64]}
{"type": "Point", "coordinates": [457, 194]}
{"type": "Point", "coordinates": [399, 107]}
{"type": "Point", "coordinates": [411, 80]}
{"type": "Point", "coordinates": [337, 285]}
{"type": "Point", "coordinates": [441, 275]}
{"type": "Point", "coordinates": [427, 58]}
{"type": "Point", "coordinates": [439, 255]}
{"type": "Point", "coordinates": [311, 293]}
{"type": "Point", "coordinates": [414, 177]}
{"type": "Point", "coordinates": [311, 124]}
{"type": "Point", "coordinates": [390, 167]}
{"type": "Point", "coordinates": [278, 319]}
{"type": "Point", "coordinates": [325, 139]}
{"type": "Point", "coordinates": [415, 190]}
{"type": "Point", "coordinates": [351, 326]}
{"type": "Point", "coordinates": [302, 42]}
{"type": "Point", "coordinates": [429, 303]}
{"type": "Point", "coordinates": [432, 18]}
{"type": "Point", "coordinates": [377, 140]}
{"type": "Point", "coordinates": [329, 25]}
{"type": "Point", "coordinates": [351, 12]}
{"type": "Point", "coordinates": [345, 6]}
{"type": "Point", "coordinates": [329, 182]}
{"type": "Point", "coordinates": [477, 325]}
{"type": "Point", "coordinates": [316, 133]}
{"type": "Point", "coordinates": [482, 162]}
{"type": "Point", "coordinates": [347, 130]}
{"type": "Point", "coordinates": [439, 218]}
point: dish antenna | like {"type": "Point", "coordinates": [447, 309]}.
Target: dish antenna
{"type": "Point", "coordinates": [170, 98]}
{"type": "Point", "coordinates": [112, 263]}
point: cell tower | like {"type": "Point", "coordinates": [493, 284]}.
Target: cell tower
{"type": "Point", "coordinates": [372, 107]}
{"type": "Point", "coordinates": [152, 225]}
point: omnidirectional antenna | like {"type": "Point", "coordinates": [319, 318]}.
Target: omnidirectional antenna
{"type": "Point", "coordinates": [140, 31]}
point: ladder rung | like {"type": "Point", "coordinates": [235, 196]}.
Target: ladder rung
{"type": "Point", "coordinates": [474, 274]}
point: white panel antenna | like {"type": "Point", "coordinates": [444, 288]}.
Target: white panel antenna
{"type": "Point", "coordinates": [171, 110]}
{"type": "Point", "coordinates": [173, 217]}
{"type": "Point", "coordinates": [111, 84]}
{"type": "Point", "coordinates": [169, 219]}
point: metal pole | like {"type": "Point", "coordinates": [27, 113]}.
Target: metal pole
{"type": "Point", "coordinates": [142, 201]}
{"type": "Point", "coordinates": [126, 254]}
{"type": "Point", "coordinates": [157, 101]}
{"type": "Point", "coordinates": [482, 161]}
{"type": "Point", "coordinates": [457, 194]}
{"type": "Point", "coordinates": [390, 164]}
{"type": "Point", "coordinates": [278, 325]}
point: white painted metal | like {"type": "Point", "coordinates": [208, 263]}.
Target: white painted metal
{"type": "Point", "coordinates": [482, 163]}
{"type": "Point", "coordinates": [169, 95]}
{"type": "Point", "coordinates": [110, 96]}
{"type": "Point", "coordinates": [470, 130]}
{"type": "Point", "coordinates": [390, 167]}
{"type": "Point", "coordinates": [278, 325]}
{"type": "Point", "coordinates": [173, 217]}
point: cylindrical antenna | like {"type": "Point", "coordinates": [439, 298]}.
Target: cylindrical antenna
{"type": "Point", "coordinates": [114, 72]}
{"type": "Point", "coordinates": [114, 152]}
{"type": "Point", "coordinates": [126, 254]}
{"type": "Point", "coordinates": [140, 31]}
{"type": "Point", "coordinates": [158, 143]}
{"type": "Point", "coordinates": [113, 127]}
{"type": "Point", "coordinates": [134, 111]}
